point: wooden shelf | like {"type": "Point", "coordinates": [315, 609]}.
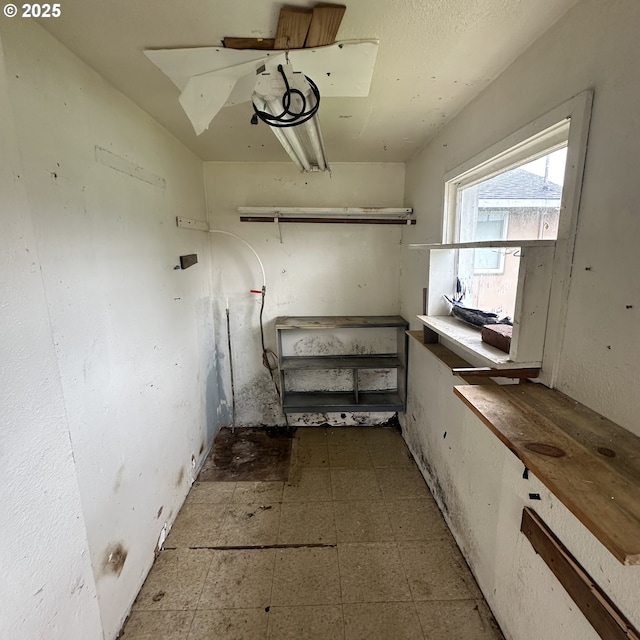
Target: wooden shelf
{"type": "Point", "coordinates": [335, 401]}
{"type": "Point", "coordinates": [588, 462]}
{"type": "Point", "coordinates": [340, 362]}
{"type": "Point", "coordinates": [484, 244]}
{"type": "Point", "coordinates": [469, 341]}
{"type": "Point", "coordinates": [463, 369]}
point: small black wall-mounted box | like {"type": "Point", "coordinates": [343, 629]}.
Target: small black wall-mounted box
{"type": "Point", "coordinates": [188, 261]}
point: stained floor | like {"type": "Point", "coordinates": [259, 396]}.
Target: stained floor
{"type": "Point", "coordinates": [256, 454]}
{"type": "Point", "coordinates": [351, 547]}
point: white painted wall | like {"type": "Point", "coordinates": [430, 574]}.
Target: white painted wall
{"type": "Point", "coordinates": [47, 588]}
{"type": "Point", "coordinates": [133, 338]}
{"type": "Point", "coordinates": [317, 269]}
{"type": "Point", "coordinates": [477, 481]}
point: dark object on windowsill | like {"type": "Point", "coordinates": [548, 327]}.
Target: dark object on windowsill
{"type": "Point", "coordinates": [475, 317]}
{"type": "Point", "coordinates": [498, 336]}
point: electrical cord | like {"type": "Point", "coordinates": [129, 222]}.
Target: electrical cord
{"type": "Point", "coordinates": [289, 118]}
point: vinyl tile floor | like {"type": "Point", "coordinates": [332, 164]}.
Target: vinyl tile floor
{"type": "Point", "coordinates": [351, 547]}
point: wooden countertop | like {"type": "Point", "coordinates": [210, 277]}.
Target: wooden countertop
{"type": "Point", "coordinates": [589, 463]}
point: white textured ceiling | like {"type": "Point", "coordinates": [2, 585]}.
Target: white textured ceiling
{"type": "Point", "coordinates": [434, 57]}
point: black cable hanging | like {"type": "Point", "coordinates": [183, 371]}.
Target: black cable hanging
{"type": "Point", "coordinates": [289, 118]}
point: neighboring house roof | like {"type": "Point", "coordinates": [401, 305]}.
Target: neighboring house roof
{"type": "Point", "coordinates": [519, 184]}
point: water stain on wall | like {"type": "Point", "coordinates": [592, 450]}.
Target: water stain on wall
{"type": "Point", "coordinates": [257, 404]}
{"type": "Point", "coordinates": [114, 559]}
{"type": "Point", "coordinates": [118, 481]}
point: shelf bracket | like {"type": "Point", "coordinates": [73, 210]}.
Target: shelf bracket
{"type": "Point", "coordinates": [276, 220]}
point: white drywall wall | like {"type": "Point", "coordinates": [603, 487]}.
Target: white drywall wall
{"type": "Point", "coordinates": [478, 482]}
{"type": "Point", "coordinates": [47, 587]}
{"type": "Point", "coordinates": [317, 269]}
{"type": "Point", "coordinates": [133, 337]}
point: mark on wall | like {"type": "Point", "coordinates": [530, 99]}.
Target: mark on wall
{"type": "Point", "coordinates": [114, 559]}
{"type": "Point", "coordinates": [159, 512]}
{"type": "Point", "coordinates": [217, 407]}
{"type": "Point", "coordinates": [180, 477]}
{"type": "Point", "coordinates": [322, 346]}
{"type": "Point", "coordinates": [162, 537]}
{"type": "Point", "coordinates": [118, 481]}
{"type": "Point", "coordinates": [257, 404]}
{"type": "Point", "coordinates": [123, 165]}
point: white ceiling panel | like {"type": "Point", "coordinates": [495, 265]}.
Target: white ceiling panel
{"type": "Point", "coordinates": [434, 56]}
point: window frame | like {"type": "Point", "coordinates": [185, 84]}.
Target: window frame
{"type": "Point", "coordinates": [566, 124]}
{"type": "Point", "coordinates": [499, 270]}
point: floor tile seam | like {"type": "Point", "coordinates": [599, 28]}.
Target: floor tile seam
{"type": "Point", "coordinates": [193, 618]}
{"type": "Point", "coordinates": [204, 582]}
{"type": "Point", "coordinates": [378, 483]}
{"type": "Point", "coordinates": [390, 543]}
{"type": "Point", "coordinates": [412, 603]}
{"type": "Point", "coordinates": [422, 627]}
{"type": "Point", "coordinates": [227, 608]}
{"type": "Point", "coordinates": [225, 516]}
{"type": "Point", "coordinates": [450, 599]}
{"type": "Point", "coordinates": [422, 539]}
{"type": "Point", "coordinates": [387, 446]}
{"type": "Point", "coordinates": [144, 609]}
{"type": "Point", "coordinates": [273, 579]}
{"type": "Point", "coordinates": [302, 606]}
{"type": "Point", "coordinates": [351, 467]}
{"type": "Point", "coordinates": [379, 601]}
{"type": "Point", "coordinates": [263, 547]}
{"type": "Point", "coordinates": [340, 580]}
{"type": "Point", "coordinates": [404, 571]}
{"type": "Point", "coordinates": [476, 600]}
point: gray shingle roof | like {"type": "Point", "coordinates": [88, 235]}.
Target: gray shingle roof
{"type": "Point", "coordinates": [519, 184]}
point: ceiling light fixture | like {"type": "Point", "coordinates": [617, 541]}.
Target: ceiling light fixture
{"type": "Point", "coordinates": [288, 101]}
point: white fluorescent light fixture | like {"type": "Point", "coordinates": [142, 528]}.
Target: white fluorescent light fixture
{"type": "Point", "coordinates": [288, 102]}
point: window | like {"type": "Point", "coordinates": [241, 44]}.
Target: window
{"type": "Point", "coordinates": [490, 225]}
{"type": "Point", "coordinates": [508, 238]}
{"type": "Point", "coordinates": [520, 202]}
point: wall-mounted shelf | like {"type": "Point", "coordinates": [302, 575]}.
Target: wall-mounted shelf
{"type": "Point", "coordinates": [355, 399]}
{"type": "Point", "coordinates": [484, 244]}
{"type": "Point", "coordinates": [341, 215]}
{"type": "Point", "coordinates": [463, 369]}
{"type": "Point", "coordinates": [470, 343]}
{"type": "Point", "coordinates": [589, 463]}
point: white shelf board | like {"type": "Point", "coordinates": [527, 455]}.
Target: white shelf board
{"type": "Point", "coordinates": [485, 244]}
{"type": "Point", "coordinates": [326, 211]}
{"type": "Point", "coordinates": [470, 343]}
